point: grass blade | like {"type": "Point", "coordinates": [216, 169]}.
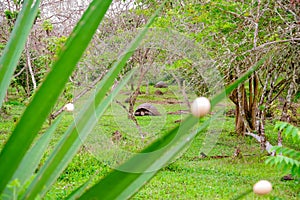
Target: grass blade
{"type": "Point", "coordinates": [240, 196]}
{"type": "Point", "coordinates": [164, 149]}
{"type": "Point", "coordinates": [80, 190]}
{"type": "Point", "coordinates": [32, 159]}
{"type": "Point", "coordinates": [86, 120]}
{"type": "Point", "coordinates": [71, 142]}
{"type": "Point", "coordinates": [13, 49]}
{"type": "Point", "coordinates": [144, 165]}
{"type": "Point", "coordinates": [43, 101]}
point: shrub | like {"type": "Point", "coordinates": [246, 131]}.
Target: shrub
{"type": "Point", "coordinates": [287, 159]}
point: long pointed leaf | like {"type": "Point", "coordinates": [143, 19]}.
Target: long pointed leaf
{"type": "Point", "coordinates": [13, 50]}
{"type": "Point", "coordinates": [45, 98]}
{"type": "Point", "coordinates": [80, 190]}
{"type": "Point", "coordinates": [85, 121]}
{"type": "Point", "coordinates": [71, 142]}
{"type": "Point", "coordinates": [144, 165]}
{"type": "Point", "coordinates": [32, 159]}
{"type": "Point", "coordinates": [134, 173]}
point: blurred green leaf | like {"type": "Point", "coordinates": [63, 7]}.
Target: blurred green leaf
{"type": "Point", "coordinates": [32, 159]}
{"type": "Point", "coordinates": [45, 98]}
{"type": "Point", "coordinates": [138, 170]}
{"type": "Point", "coordinates": [72, 139]}
{"type": "Point", "coordinates": [13, 50]}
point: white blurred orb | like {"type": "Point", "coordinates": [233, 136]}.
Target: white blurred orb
{"type": "Point", "coordinates": [69, 107]}
{"type": "Point", "coordinates": [200, 107]}
{"type": "Point", "coordinates": [262, 187]}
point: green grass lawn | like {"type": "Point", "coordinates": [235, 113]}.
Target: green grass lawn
{"type": "Point", "coordinates": [188, 177]}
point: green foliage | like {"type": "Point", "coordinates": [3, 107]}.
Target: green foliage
{"type": "Point", "coordinates": [287, 159]}
{"type": "Point", "coordinates": [54, 44]}
{"type": "Point", "coordinates": [184, 69]}
{"type": "Point", "coordinates": [18, 2]}
{"type": "Point", "coordinates": [11, 15]}
{"type": "Point", "coordinates": [2, 45]}
{"type": "Point", "coordinates": [288, 130]}
{"type": "Point", "coordinates": [39, 65]}
{"type": "Point", "coordinates": [47, 26]}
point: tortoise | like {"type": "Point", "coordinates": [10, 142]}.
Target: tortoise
{"type": "Point", "coordinates": [161, 84]}
{"type": "Point", "coordinates": [146, 109]}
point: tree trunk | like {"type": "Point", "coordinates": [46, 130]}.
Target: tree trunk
{"type": "Point", "coordinates": [253, 97]}
{"type": "Point", "coordinates": [29, 65]}
{"type": "Point", "coordinates": [246, 106]}
{"type": "Point", "coordinates": [27, 85]}
{"type": "Point", "coordinates": [239, 124]}
{"type": "Point", "coordinates": [243, 110]}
